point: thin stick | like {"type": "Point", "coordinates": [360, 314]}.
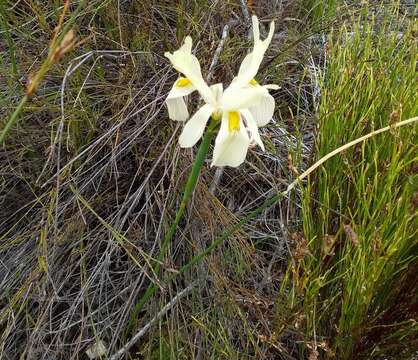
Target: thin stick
{"type": "Point", "coordinates": [245, 12]}
{"type": "Point", "coordinates": [225, 33]}
{"type": "Point", "coordinates": [160, 314]}
{"type": "Point", "coordinates": [219, 48]}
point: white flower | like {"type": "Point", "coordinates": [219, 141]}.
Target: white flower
{"type": "Point", "coordinates": [238, 127]}
{"type": "Point", "coordinates": [186, 63]}
{"type": "Point", "coordinates": [241, 108]}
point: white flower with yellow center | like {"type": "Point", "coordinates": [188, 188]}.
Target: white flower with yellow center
{"type": "Point", "coordinates": [238, 127]}
{"type": "Point", "coordinates": [235, 107]}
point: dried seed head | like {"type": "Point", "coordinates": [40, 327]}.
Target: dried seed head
{"type": "Point", "coordinates": [66, 45]}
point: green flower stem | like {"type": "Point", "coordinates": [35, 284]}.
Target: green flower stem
{"type": "Point", "coordinates": [190, 185]}
{"type": "Point", "coordinates": [13, 119]}
{"type": "Point", "coordinates": [188, 191]}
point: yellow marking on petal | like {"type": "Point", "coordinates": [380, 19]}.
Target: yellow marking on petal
{"type": "Point", "coordinates": [233, 121]}
{"type": "Point", "coordinates": [253, 82]}
{"type": "Point", "coordinates": [183, 82]}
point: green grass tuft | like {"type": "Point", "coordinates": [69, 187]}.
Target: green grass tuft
{"type": "Point", "coordinates": [361, 231]}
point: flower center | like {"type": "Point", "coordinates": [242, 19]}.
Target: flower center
{"type": "Point", "coordinates": [233, 121]}
{"type": "Point", "coordinates": [183, 82]}
{"type": "Point", "coordinates": [217, 115]}
{"type": "Point", "coordinates": [253, 82]}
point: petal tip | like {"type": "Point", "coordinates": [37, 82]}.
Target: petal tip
{"type": "Point", "coordinates": [272, 87]}
{"type": "Point", "coordinates": [272, 26]}
{"type": "Point", "coordinates": [183, 143]}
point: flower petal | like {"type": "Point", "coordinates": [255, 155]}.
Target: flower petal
{"type": "Point", "coordinates": [271, 87]}
{"type": "Point", "coordinates": [263, 111]}
{"type": "Point", "coordinates": [180, 91]}
{"type": "Point", "coordinates": [230, 147]}
{"type": "Point", "coordinates": [246, 63]}
{"type": "Point", "coordinates": [217, 90]}
{"type": "Point", "coordinates": [252, 128]}
{"type": "Point", "coordinates": [241, 98]}
{"type": "Point", "coordinates": [176, 106]}
{"type": "Point", "coordinates": [187, 64]}
{"type": "Point", "coordinates": [251, 63]}
{"type": "Point", "coordinates": [194, 128]}
{"type": "Point", "coordinates": [177, 109]}
{"type": "Point", "coordinates": [187, 45]}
